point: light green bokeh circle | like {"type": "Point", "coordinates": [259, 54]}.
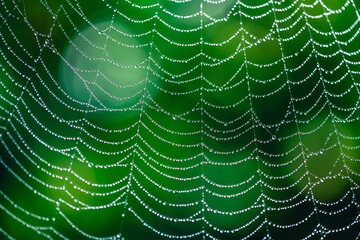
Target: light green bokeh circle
{"type": "Point", "coordinates": [113, 75]}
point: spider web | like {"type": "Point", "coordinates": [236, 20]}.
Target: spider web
{"type": "Point", "coordinates": [179, 119]}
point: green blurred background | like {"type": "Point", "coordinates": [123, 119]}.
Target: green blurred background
{"type": "Point", "coordinates": [199, 119]}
